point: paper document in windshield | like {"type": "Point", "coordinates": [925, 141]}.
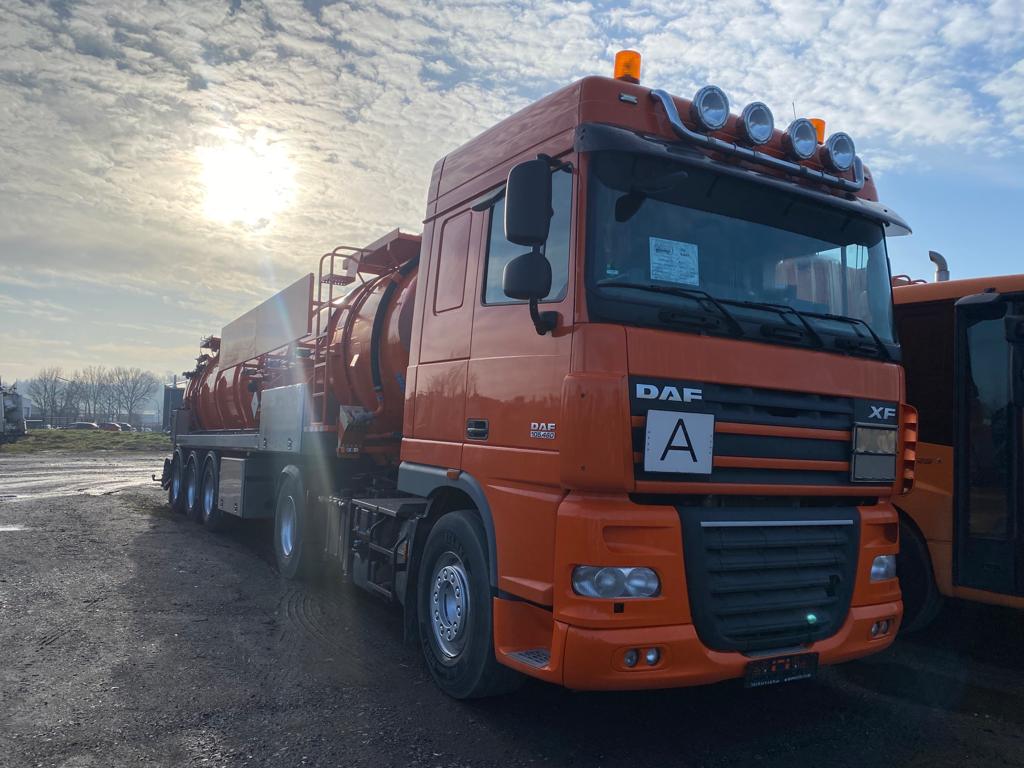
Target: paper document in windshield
{"type": "Point", "coordinates": [673, 261]}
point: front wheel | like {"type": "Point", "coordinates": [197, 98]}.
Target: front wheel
{"type": "Point", "coordinates": [454, 611]}
{"type": "Point", "coordinates": [921, 599]}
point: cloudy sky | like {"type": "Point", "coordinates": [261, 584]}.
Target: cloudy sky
{"type": "Point", "coordinates": [165, 165]}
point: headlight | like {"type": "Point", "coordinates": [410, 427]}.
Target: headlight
{"type": "Point", "coordinates": [801, 138]}
{"type": "Point", "coordinates": [883, 567]}
{"type": "Point", "coordinates": [710, 108]}
{"type": "Point", "coordinates": [873, 440]}
{"type": "Point", "coordinates": [757, 123]}
{"type": "Point", "coordinates": [610, 582]}
{"type": "Point", "coordinates": [839, 152]}
{"type": "Point", "coordinates": [874, 454]}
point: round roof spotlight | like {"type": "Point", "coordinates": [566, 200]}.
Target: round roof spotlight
{"type": "Point", "coordinates": [710, 108]}
{"type": "Point", "coordinates": [757, 123]}
{"type": "Point", "coordinates": [801, 139]}
{"type": "Point", "coordinates": [839, 152]}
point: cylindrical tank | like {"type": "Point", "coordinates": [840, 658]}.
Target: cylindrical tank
{"type": "Point", "coordinates": [369, 353]}
{"type": "Point", "coordinates": [368, 334]}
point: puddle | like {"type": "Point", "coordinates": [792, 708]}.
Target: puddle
{"type": "Point", "coordinates": [9, 528]}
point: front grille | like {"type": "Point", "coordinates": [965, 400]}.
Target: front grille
{"type": "Point", "coordinates": [769, 578]}
{"type": "Point", "coordinates": [761, 436]}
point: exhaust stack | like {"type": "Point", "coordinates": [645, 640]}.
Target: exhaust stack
{"type": "Point", "coordinates": [941, 267]}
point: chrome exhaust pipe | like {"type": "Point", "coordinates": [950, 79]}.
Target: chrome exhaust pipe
{"type": "Point", "coordinates": [941, 267]}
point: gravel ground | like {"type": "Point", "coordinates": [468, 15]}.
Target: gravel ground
{"type": "Point", "coordinates": [131, 637]}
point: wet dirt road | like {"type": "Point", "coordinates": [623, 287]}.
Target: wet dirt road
{"type": "Point", "coordinates": [129, 636]}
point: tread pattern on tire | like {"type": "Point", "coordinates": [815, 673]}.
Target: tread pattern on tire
{"type": "Point", "coordinates": [478, 677]}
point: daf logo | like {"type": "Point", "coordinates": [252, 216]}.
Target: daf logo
{"type": "Point", "coordinates": [882, 412]}
{"type": "Point", "coordinates": [668, 394]}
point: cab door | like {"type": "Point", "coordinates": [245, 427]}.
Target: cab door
{"type": "Point", "coordinates": [989, 529]}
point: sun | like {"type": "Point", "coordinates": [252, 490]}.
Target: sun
{"type": "Point", "coordinates": [248, 180]}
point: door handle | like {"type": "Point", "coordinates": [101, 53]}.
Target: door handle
{"type": "Point", "coordinates": [477, 429]}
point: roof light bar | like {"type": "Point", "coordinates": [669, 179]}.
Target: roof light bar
{"type": "Point", "coordinates": [752, 155]}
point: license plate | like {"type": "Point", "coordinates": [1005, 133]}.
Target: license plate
{"type": "Point", "coordinates": [781, 669]}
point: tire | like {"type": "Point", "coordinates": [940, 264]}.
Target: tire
{"type": "Point", "coordinates": [212, 517]}
{"type": "Point", "coordinates": [191, 487]}
{"type": "Point", "coordinates": [176, 488]}
{"type": "Point", "coordinates": [297, 544]}
{"type": "Point", "coordinates": [921, 599]}
{"type": "Point", "coordinates": [454, 611]}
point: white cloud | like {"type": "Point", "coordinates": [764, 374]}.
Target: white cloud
{"type": "Point", "coordinates": [104, 105]}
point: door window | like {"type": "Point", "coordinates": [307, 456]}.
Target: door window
{"type": "Point", "coordinates": [500, 251]}
{"type": "Point", "coordinates": [990, 434]}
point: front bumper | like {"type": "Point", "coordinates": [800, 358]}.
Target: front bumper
{"type": "Point", "coordinates": [580, 642]}
{"type": "Point", "coordinates": [591, 659]}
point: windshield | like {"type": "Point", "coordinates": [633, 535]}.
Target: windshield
{"type": "Point", "coordinates": [724, 253]}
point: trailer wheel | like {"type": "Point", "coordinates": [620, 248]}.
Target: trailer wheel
{"type": "Point", "coordinates": [193, 499]}
{"type": "Point", "coordinates": [213, 518]}
{"type": "Point", "coordinates": [175, 489]}
{"type": "Point", "coordinates": [454, 611]}
{"type": "Point", "coordinates": [296, 539]}
{"type": "Point", "coordinates": [921, 599]}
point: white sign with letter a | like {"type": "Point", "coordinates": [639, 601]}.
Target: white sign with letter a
{"type": "Point", "coordinates": [679, 442]}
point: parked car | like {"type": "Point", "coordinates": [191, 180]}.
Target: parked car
{"type": "Point", "coordinates": [110, 426]}
{"type": "Point", "coordinates": [83, 425]}
{"type": "Point", "coordinates": [125, 426]}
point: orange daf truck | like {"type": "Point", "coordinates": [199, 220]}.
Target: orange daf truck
{"type": "Point", "coordinates": [628, 414]}
{"type": "Point", "coordinates": [962, 526]}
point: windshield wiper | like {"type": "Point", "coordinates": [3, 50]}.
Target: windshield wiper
{"type": "Point", "coordinates": [783, 309]}
{"type": "Point", "coordinates": [687, 293]}
{"type": "Point", "coordinates": [855, 321]}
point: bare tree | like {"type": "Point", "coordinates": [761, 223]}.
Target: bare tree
{"type": "Point", "coordinates": [109, 397]}
{"type": "Point", "coordinates": [47, 391]}
{"type": "Point", "coordinates": [71, 397]}
{"type": "Point", "coordinates": [94, 378]}
{"type": "Point", "coordinates": [133, 387]}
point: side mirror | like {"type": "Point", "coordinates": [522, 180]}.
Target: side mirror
{"type": "Point", "coordinates": [527, 277]}
{"type": "Point", "coordinates": [528, 203]}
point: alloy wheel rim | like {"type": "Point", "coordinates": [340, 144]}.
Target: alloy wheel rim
{"type": "Point", "coordinates": [288, 516]}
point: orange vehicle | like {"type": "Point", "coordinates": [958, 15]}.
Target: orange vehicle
{"type": "Point", "coordinates": [628, 414]}
{"type": "Point", "coordinates": [962, 527]}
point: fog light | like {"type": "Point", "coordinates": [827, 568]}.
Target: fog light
{"type": "Point", "coordinates": [881, 628]}
{"type": "Point", "coordinates": [631, 657]}
{"type": "Point", "coordinates": [883, 567]}
{"type": "Point", "coordinates": [652, 656]}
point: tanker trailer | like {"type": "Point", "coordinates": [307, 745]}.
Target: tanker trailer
{"type": "Point", "coordinates": [302, 376]}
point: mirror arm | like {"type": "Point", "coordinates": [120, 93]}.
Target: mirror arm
{"type": "Point", "coordinates": [556, 165]}
{"type": "Point", "coordinates": [544, 322]}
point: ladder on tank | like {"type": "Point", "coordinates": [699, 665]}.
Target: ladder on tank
{"type": "Point", "coordinates": [375, 261]}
